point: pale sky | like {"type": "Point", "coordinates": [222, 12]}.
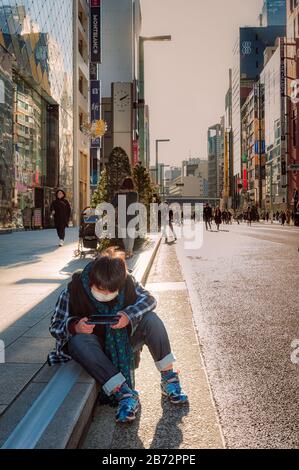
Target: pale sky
{"type": "Point", "coordinates": [186, 79]}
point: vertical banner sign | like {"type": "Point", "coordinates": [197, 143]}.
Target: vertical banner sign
{"type": "Point", "coordinates": [95, 31]}
{"type": "Point", "coordinates": [95, 107]}
{"type": "Point", "coordinates": [226, 181]}
{"type": "Point", "coordinates": [283, 113]}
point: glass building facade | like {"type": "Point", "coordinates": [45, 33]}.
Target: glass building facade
{"type": "Point", "coordinates": [274, 13]}
{"type": "Point", "coordinates": [36, 106]}
{"type": "Point", "coordinates": [248, 64]}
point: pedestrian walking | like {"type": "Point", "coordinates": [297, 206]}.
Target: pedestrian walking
{"type": "Point", "coordinates": [170, 225]}
{"type": "Point", "coordinates": [61, 210]}
{"type": "Point", "coordinates": [207, 216]}
{"type": "Point", "coordinates": [283, 218]}
{"type": "Point", "coordinates": [218, 217]}
{"type": "Point", "coordinates": [224, 217]}
{"type": "Point", "coordinates": [127, 190]}
{"type": "Point", "coordinates": [249, 216]}
{"type": "Point", "coordinates": [106, 351]}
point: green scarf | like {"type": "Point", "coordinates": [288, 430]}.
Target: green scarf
{"type": "Point", "coordinates": [117, 342]}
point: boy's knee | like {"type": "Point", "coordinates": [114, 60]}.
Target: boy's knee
{"type": "Point", "coordinates": [80, 340]}
{"type": "Point", "coordinates": [151, 321]}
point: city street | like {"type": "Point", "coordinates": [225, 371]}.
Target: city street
{"type": "Point", "coordinates": [243, 284]}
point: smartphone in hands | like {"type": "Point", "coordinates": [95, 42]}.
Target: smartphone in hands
{"type": "Point", "coordinates": [103, 320]}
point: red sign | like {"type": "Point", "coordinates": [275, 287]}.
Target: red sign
{"type": "Point", "coordinates": [95, 3]}
{"type": "Point", "coordinates": [245, 179]}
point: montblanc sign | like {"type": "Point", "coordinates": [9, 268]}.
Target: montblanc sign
{"type": "Point", "coordinates": [95, 31]}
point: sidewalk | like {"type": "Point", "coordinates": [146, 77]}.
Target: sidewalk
{"type": "Point", "coordinates": [161, 425]}
{"type": "Point", "coordinates": [33, 271]}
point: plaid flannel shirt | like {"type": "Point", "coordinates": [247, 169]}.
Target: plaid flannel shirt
{"type": "Point", "coordinates": [60, 320]}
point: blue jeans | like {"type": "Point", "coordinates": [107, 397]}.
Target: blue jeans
{"type": "Point", "coordinates": [87, 351]}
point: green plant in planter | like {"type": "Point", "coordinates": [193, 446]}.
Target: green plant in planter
{"type": "Point", "coordinates": [118, 168]}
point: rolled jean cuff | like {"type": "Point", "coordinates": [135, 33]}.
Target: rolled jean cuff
{"type": "Point", "coordinates": [115, 381]}
{"type": "Point", "coordinates": [166, 361]}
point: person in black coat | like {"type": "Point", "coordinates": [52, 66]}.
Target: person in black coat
{"type": "Point", "coordinates": [207, 216]}
{"type": "Point", "coordinates": [61, 210]}
{"type": "Point", "coordinates": [127, 190]}
{"type": "Point", "coordinates": [218, 217]}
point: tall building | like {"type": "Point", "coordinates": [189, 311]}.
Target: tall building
{"type": "Point", "coordinates": [248, 64]}
{"type": "Point", "coordinates": [215, 159]}
{"type": "Point", "coordinates": [39, 50]}
{"type": "Point", "coordinates": [81, 107]}
{"type": "Point", "coordinates": [253, 154]}
{"type": "Point", "coordinates": [228, 173]}
{"type": "Point", "coordinates": [121, 24]}
{"type": "Point", "coordinates": [292, 102]}
{"type": "Point", "coordinates": [273, 81]}
{"type": "Point", "coordinates": [274, 13]}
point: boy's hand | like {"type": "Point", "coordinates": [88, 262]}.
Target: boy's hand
{"type": "Point", "coordinates": [81, 327]}
{"type": "Point", "coordinates": [122, 323]}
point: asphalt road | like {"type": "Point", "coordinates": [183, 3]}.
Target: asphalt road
{"type": "Point", "coordinates": [243, 283]}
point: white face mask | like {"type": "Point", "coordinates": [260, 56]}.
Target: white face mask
{"type": "Point", "coordinates": [104, 297]}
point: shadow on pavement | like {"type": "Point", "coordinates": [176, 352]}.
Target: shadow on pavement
{"type": "Point", "coordinates": [126, 435]}
{"type": "Point", "coordinates": [17, 250]}
{"type": "Point", "coordinates": [168, 435]}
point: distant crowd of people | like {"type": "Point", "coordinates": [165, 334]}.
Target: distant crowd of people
{"type": "Point", "coordinates": [251, 214]}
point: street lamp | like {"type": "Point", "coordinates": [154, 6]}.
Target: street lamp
{"type": "Point", "coordinates": [157, 158]}
{"type": "Point", "coordinates": [141, 97]}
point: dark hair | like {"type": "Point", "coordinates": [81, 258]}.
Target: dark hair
{"type": "Point", "coordinates": [128, 183]}
{"type": "Point", "coordinates": [60, 190]}
{"type": "Point", "coordinates": [109, 271]}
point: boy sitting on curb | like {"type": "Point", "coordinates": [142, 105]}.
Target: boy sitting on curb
{"type": "Point", "coordinates": [106, 352]}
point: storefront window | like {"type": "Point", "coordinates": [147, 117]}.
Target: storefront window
{"type": "Point", "coordinates": [36, 121]}
{"type": "Point", "coordinates": [6, 144]}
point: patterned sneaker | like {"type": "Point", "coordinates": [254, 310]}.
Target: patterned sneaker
{"type": "Point", "coordinates": [128, 404]}
{"type": "Point", "coordinates": [171, 388]}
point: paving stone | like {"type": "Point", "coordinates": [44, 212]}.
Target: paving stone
{"type": "Point", "coordinates": [18, 409]}
{"type": "Point", "coordinates": [9, 335]}
{"type": "Point", "coordinates": [41, 330]}
{"type": "Point", "coordinates": [46, 374]}
{"type": "Point", "coordinates": [13, 378]}
{"type": "Point", "coordinates": [29, 350]}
